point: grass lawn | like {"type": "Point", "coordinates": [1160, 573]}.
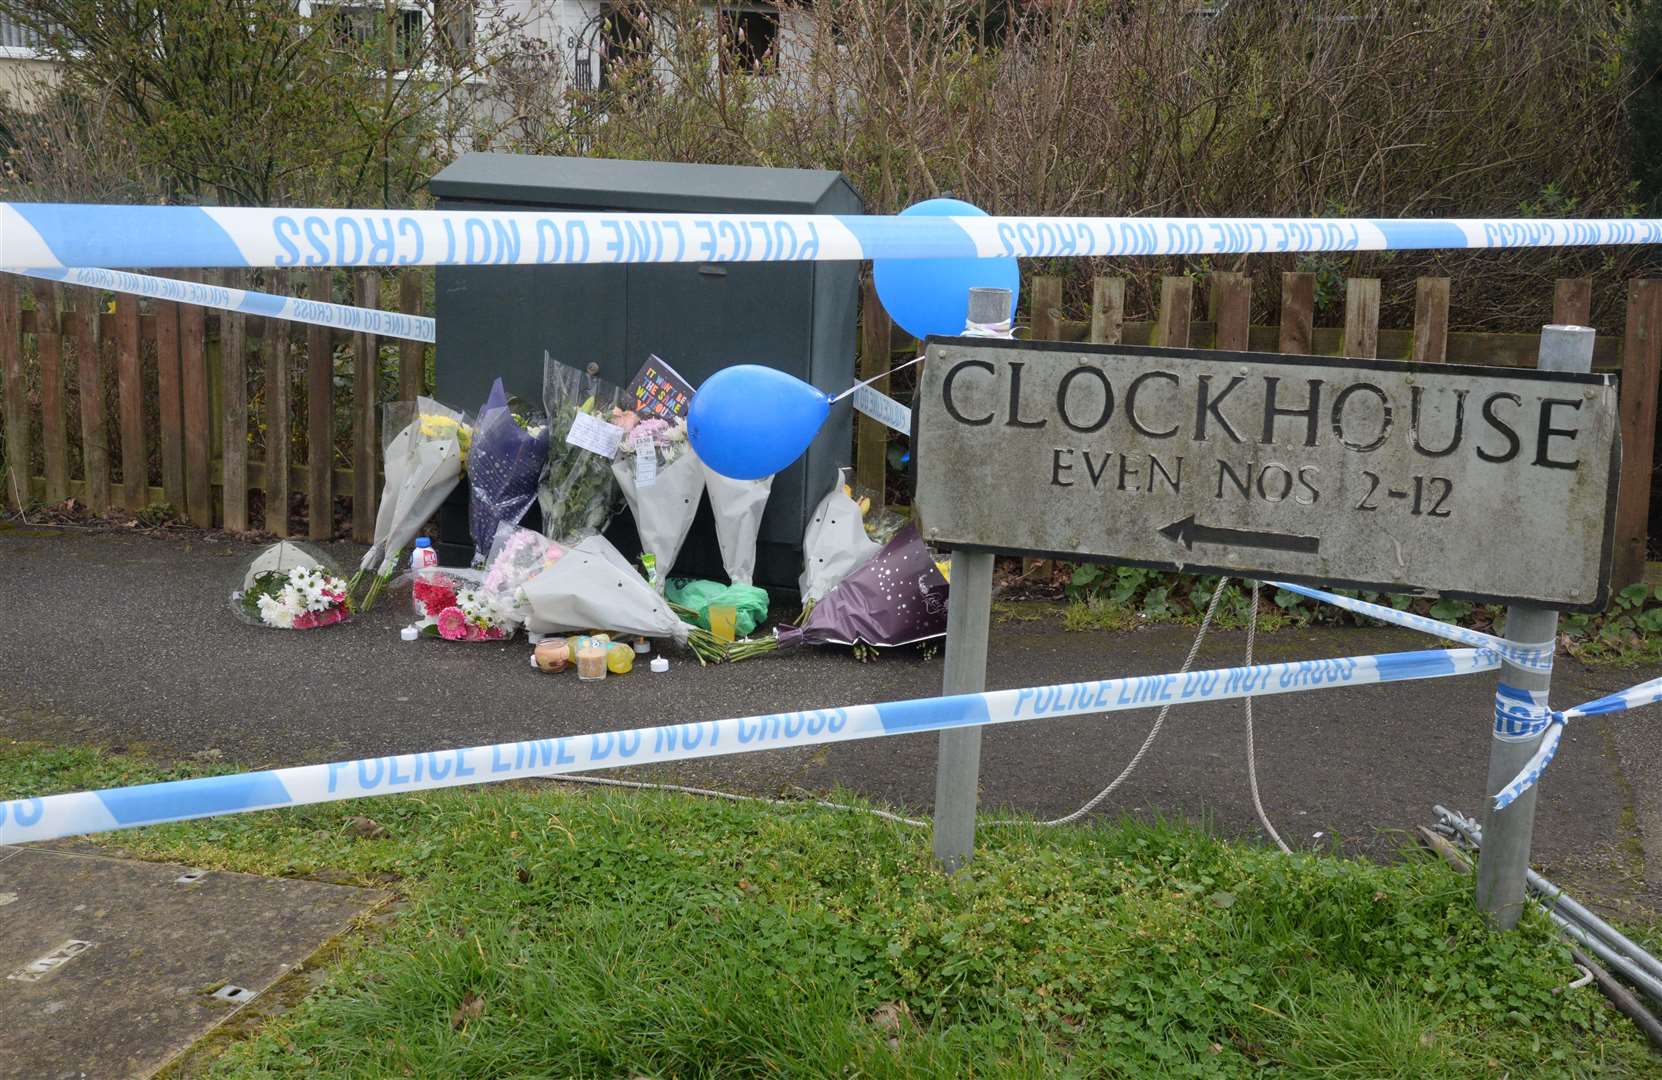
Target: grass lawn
{"type": "Point", "coordinates": [553, 932]}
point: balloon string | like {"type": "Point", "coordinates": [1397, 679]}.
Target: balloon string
{"type": "Point", "coordinates": [874, 378]}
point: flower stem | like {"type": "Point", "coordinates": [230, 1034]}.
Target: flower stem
{"type": "Point", "coordinates": [374, 591]}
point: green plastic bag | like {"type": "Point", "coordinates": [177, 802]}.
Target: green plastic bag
{"type": "Point", "coordinates": [749, 602]}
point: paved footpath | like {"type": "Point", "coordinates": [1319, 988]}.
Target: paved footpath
{"type": "Point", "coordinates": [122, 639]}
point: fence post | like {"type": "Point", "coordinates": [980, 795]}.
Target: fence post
{"type": "Point", "coordinates": [196, 405]}
{"type": "Point", "coordinates": [871, 439]}
{"type": "Point", "coordinates": [89, 363]}
{"type": "Point", "coordinates": [1572, 302]}
{"type": "Point", "coordinates": [170, 403]}
{"type": "Point", "coordinates": [412, 355]}
{"type": "Point", "coordinates": [233, 392]}
{"type": "Point", "coordinates": [1298, 312]}
{"type": "Point", "coordinates": [366, 381]}
{"type": "Point", "coordinates": [1230, 302]}
{"type": "Point", "coordinates": [1504, 860]}
{"type": "Point", "coordinates": [1107, 310]}
{"type": "Point", "coordinates": [320, 417]}
{"type": "Point", "coordinates": [274, 347]}
{"type": "Point", "coordinates": [129, 370]}
{"type": "Point", "coordinates": [1641, 354]}
{"type": "Point", "coordinates": [54, 431]}
{"type": "Point", "coordinates": [1177, 299]}
{"type": "Point", "coordinates": [1431, 320]}
{"type": "Point", "coordinates": [958, 757]}
{"type": "Point", "coordinates": [18, 456]}
{"type": "Point", "coordinates": [1361, 317]}
{"type": "Point", "coordinates": [1046, 322]}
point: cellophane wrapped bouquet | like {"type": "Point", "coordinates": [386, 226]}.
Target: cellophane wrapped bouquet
{"type": "Point", "coordinates": [738, 506]}
{"type": "Point", "coordinates": [426, 447]}
{"type": "Point", "coordinates": [288, 587]}
{"type": "Point", "coordinates": [591, 585]}
{"type": "Point", "coordinates": [578, 492]}
{"type": "Point", "coordinates": [841, 537]}
{"type": "Point", "coordinates": [663, 482]}
{"type": "Point", "coordinates": [517, 556]}
{"type": "Point", "coordinates": [505, 461]}
{"type": "Point", "coordinates": [454, 605]}
{"type": "Point", "coordinates": [896, 597]}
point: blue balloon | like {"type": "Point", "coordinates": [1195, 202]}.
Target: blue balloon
{"type": "Point", "coordinates": [748, 421]}
{"type": "Point", "coordinates": [931, 296]}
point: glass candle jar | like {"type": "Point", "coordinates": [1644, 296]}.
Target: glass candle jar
{"type": "Point", "coordinates": [591, 660]}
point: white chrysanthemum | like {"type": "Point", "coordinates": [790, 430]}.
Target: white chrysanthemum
{"type": "Point", "coordinates": [273, 613]}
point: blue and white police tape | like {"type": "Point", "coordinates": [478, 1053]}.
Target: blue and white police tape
{"type": "Point", "coordinates": [1535, 657]}
{"type": "Point", "coordinates": [1647, 693]}
{"type": "Point", "coordinates": [54, 816]}
{"type": "Point", "coordinates": [46, 235]}
{"type": "Point", "coordinates": [391, 324]}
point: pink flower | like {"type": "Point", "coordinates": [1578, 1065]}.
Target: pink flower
{"type": "Point", "coordinates": [627, 421]}
{"type": "Point", "coordinates": [452, 624]}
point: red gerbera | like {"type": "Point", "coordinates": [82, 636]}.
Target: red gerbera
{"type": "Point", "coordinates": [433, 597]}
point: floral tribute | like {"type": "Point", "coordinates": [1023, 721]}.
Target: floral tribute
{"type": "Point", "coordinates": [455, 610]}
{"type": "Point", "coordinates": [301, 598]}
{"type": "Point", "coordinates": [289, 587]}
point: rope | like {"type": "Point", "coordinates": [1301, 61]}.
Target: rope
{"type": "Point", "coordinates": [1153, 732]}
{"type": "Point", "coordinates": [1252, 755]}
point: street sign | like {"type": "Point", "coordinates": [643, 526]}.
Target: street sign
{"type": "Point", "coordinates": [1483, 483]}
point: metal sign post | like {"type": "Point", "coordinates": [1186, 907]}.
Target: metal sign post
{"type": "Point", "coordinates": [1503, 861]}
{"type": "Point", "coordinates": [958, 759]}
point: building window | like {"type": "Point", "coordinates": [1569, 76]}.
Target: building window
{"type": "Point", "coordinates": [752, 37]}
{"type": "Point", "coordinates": [19, 39]}
{"type": "Point", "coordinates": [364, 26]}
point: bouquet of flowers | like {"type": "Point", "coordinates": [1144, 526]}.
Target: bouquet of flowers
{"type": "Point", "coordinates": [516, 557]}
{"type": "Point", "coordinates": [577, 491]}
{"type": "Point", "coordinates": [452, 605]}
{"type": "Point", "coordinates": [662, 481]}
{"type": "Point", "coordinates": [738, 506]}
{"type": "Point", "coordinates": [593, 585]}
{"type": "Point", "coordinates": [899, 597]}
{"type": "Point", "coordinates": [504, 463]}
{"type": "Point", "coordinates": [834, 545]}
{"type": "Point", "coordinates": [289, 588]}
{"type": "Point", "coordinates": [423, 464]}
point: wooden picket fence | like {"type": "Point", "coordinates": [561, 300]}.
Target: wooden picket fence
{"type": "Point", "coordinates": [183, 380]}
{"type": "Point", "coordinates": [176, 382]}
{"type": "Point", "coordinates": [1636, 353]}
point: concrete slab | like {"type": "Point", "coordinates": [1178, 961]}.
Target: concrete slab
{"type": "Point", "coordinates": [110, 968]}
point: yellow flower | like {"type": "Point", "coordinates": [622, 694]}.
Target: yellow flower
{"type": "Point", "coordinates": [439, 426]}
{"type": "Point", "coordinates": [945, 567]}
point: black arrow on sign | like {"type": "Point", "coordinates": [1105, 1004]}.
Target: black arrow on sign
{"type": "Point", "coordinates": [1187, 533]}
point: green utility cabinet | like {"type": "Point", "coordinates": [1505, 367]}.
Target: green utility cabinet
{"type": "Point", "coordinates": [798, 317]}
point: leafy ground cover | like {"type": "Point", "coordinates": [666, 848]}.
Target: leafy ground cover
{"type": "Point", "coordinates": [1100, 597]}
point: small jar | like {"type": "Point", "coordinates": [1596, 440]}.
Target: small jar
{"type": "Point", "coordinates": [591, 660]}
{"type": "Point", "coordinates": [620, 658]}
{"type": "Point", "coordinates": [552, 655]}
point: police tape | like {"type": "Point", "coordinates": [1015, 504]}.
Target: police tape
{"type": "Point", "coordinates": [1646, 693]}
{"type": "Point", "coordinates": [393, 324]}
{"type": "Point", "coordinates": [55, 816]}
{"type": "Point", "coordinates": [1536, 656]}
{"type": "Point", "coordinates": [1520, 715]}
{"type": "Point", "coordinates": [46, 235]}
